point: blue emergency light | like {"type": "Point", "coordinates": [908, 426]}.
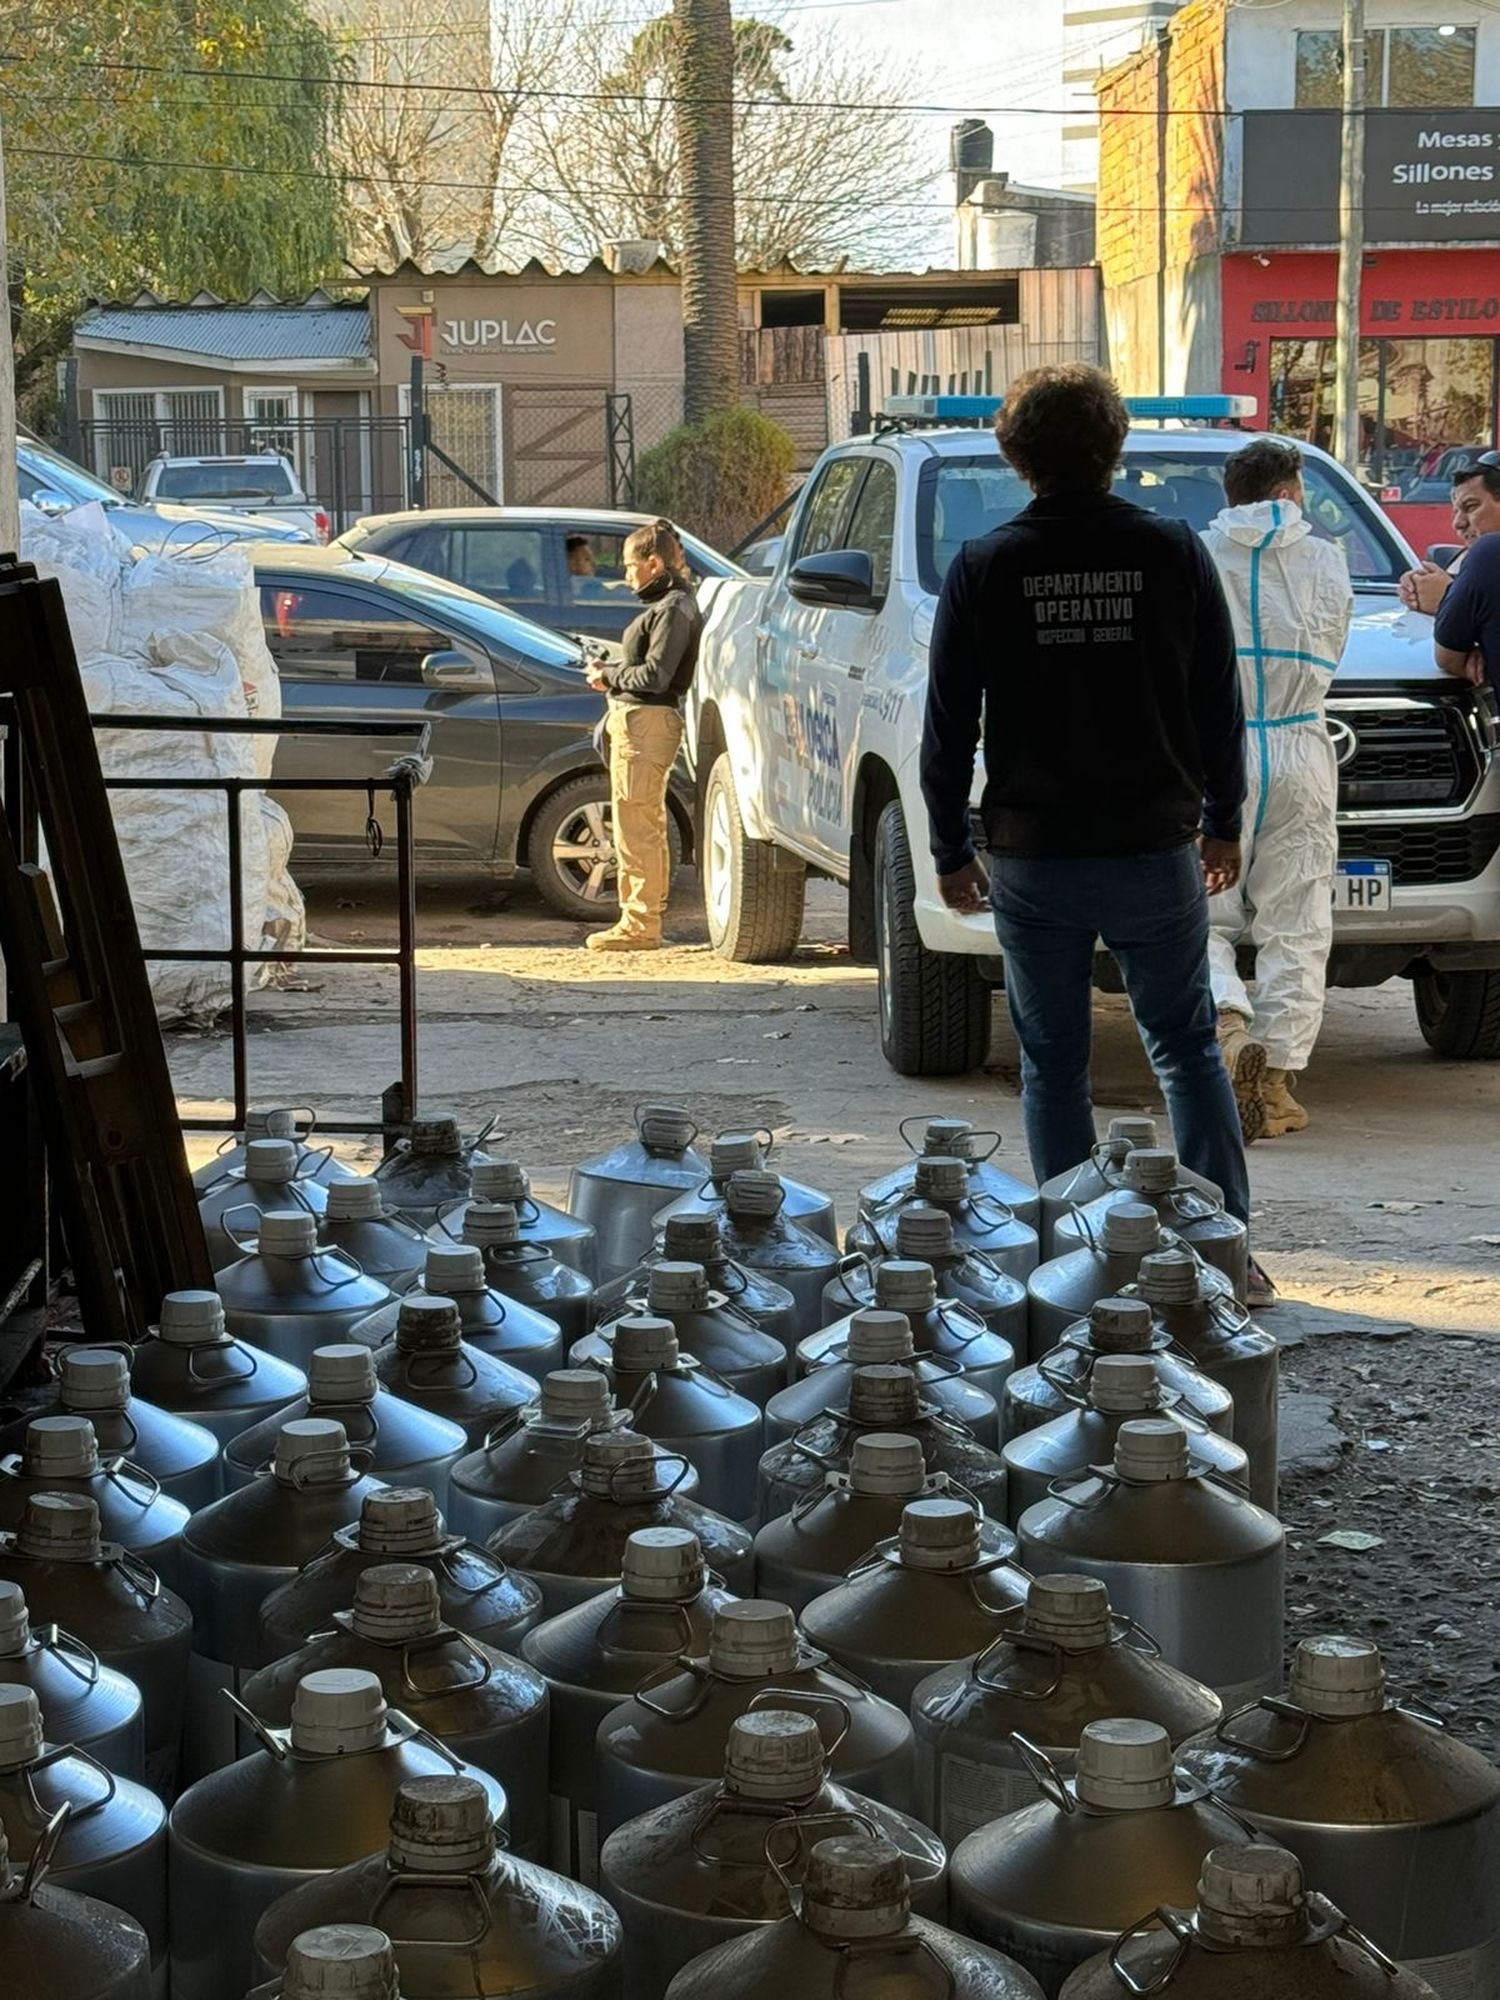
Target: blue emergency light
{"type": "Point", "coordinates": [1159, 409]}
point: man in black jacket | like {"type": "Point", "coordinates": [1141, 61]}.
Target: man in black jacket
{"type": "Point", "coordinates": [1094, 639]}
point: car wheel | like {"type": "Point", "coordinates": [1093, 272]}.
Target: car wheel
{"type": "Point", "coordinates": [752, 889]}
{"type": "Point", "coordinates": [570, 850]}
{"type": "Point", "coordinates": [934, 1005]}
{"type": "Point", "coordinates": [1459, 1013]}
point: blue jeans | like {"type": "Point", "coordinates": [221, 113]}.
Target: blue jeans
{"type": "Point", "coordinates": [1151, 911]}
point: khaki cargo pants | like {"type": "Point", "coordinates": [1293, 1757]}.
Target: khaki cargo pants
{"type": "Point", "coordinates": [643, 744]}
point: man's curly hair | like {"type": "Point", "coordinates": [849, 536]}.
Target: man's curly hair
{"type": "Point", "coordinates": [1063, 426]}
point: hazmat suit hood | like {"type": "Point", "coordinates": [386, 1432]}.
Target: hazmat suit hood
{"type": "Point", "coordinates": [1274, 524]}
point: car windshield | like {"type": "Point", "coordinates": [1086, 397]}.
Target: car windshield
{"type": "Point", "coordinates": [259, 480]}
{"type": "Point", "coordinates": [963, 497]}
{"type": "Point", "coordinates": [503, 631]}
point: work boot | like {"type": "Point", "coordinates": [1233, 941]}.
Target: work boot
{"type": "Point", "coordinates": [617, 938]}
{"type": "Point", "coordinates": [1245, 1060]}
{"type": "Point", "coordinates": [1283, 1113]}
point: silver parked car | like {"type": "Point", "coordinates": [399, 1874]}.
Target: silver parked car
{"type": "Point", "coordinates": [258, 483]}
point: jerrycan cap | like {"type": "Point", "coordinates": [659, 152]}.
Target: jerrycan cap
{"type": "Point", "coordinates": [1131, 1227]}
{"type": "Point", "coordinates": [1151, 1169]}
{"type": "Point", "coordinates": [1132, 1133]}
{"type": "Point", "coordinates": [606, 1454]}
{"type": "Point", "coordinates": [905, 1284]}
{"type": "Point", "coordinates": [887, 1463]}
{"type": "Point", "coordinates": [1150, 1449]}
{"type": "Point", "coordinates": [641, 1342]}
{"type": "Point", "coordinates": [15, 1621]}
{"type": "Point", "coordinates": [665, 1128]}
{"type": "Point", "coordinates": [340, 1962]}
{"type": "Point", "coordinates": [1120, 1326]}
{"type": "Point", "coordinates": [60, 1527]}
{"type": "Point", "coordinates": [856, 1887]}
{"type": "Point", "coordinates": [394, 1602]}
{"type": "Point", "coordinates": [1068, 1611]}
{"type": "Point", "coordinates": [754, 1193]}
{"type": "Point", "coordinates": [1125, 1765]}
{"type": "Point", "coordinates": [942, 1533]}
{"type": "Point", "coordinates": [191, 1319]}
{"type": "Point", "coordinates": [751, 1639]}
{"type": "Point", "coordinates": [941, 1177]}
{"type": "Point", "coordinates": [399, 1520]}
{"type": "Point", "coordinates": [924, 1232]}
{"type": "Point", "coordinates": [287, 1232]}
{"type": "Point", "coordinates": [575, 1396]}
{"type": "Point", "coordinates": [275, 1123]}
{"type": "Point", "coordinates": [662, 1565]}
{"type": "Point", "coordinates": [499, 1181]}
{"type": "Point", "coordinates": [93, 1378]}
{"type": "Point", "coordinates": [885, 1395]}
{"type": "Point", "coordinates": [1334, 1676]}
{"type": "Point", "coordinates": [488, 1225]}
{"type": "Point", "coordinates": [677, 1287]}
{"type": "Point", "coordinates": [435, 1132]}
{"type": "Point", "coordinates": [1169, 1277]}
{"type": "Point", "coordinates": [311, 1451]}
{"type": "Point", "coordinates": [693, 1239]}
{"type": "Point", "coordinates": [1252, 1895]}
{"type": "Point", "coordinates": [948, 1137]}
{"type": "Point", "coordinates": [337, 1709]}
{"type": "Point", "coordinates": [452, 1268]}
{"type": "Point", "coordinates": [1120, 1382]}
{"type": "Point", "coordinates": [341, 1373]}
{"type": "Point", "coordinates": [428, 1323]}
{"type": "Point", "coordinates": [60, 1448]}
{"type": "Point", "coordinates": [271, 1160]}
{"type": "Point", "coordinates": [734, 1153]}
{"type": "Point", "coordinates": [442, 1826]}
{"type": "Point", "coordinates": [774, 1753]}
{"type": "Point", "coordinates": [20, 1726]}
{"type": "Point", "coordinates": [358, 1199]}
{"type": "Point", "coordinates": [877, 1336]}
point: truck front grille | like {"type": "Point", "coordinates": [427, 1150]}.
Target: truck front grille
{"type": "Point", "coordinates": [1453, 851]}
{"type": "Point", "coordinates": [1415, 754]}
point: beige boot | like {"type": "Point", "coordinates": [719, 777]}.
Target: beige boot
{"type": "Point", "coordinates": [1283, 1113]}
{"type": "Point", "coordinates": [1245, 1060]}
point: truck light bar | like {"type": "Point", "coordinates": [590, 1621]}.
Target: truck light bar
{"type": "Point", "coordinates": [981, 409]}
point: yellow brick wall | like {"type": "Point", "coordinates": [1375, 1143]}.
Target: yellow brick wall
{"type": "Point", "coordinates": [1128, 236]}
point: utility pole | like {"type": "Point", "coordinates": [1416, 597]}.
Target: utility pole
{"type": "Point", "coordinates": [1351, 240]}
{"type": "Point", "coordinates": [10, 516]}
{"type": "Point", "coordinates": [703, 74]}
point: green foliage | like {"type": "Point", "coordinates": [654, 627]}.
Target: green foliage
{"type": "Point", "coordinates": [720, 477]}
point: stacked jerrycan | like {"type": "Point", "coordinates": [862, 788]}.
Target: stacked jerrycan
{"type": "Point", "coordinates": [952, 1139]}
{"type": "Point", "coordinates": [924, 1235]}
{"type": "Point", "coordinates": [1122, 1388]}
{"type": "Point", "coordinates": [61, 1455]}
{"type": "Point", "coordinates": [758, 1236]}
{"type": "Point", "coordinates": [112, 1841]}
{"type": "Point", "coordinates": [402, 1444]}
{"type": "Point", "coordinates": [311, 1798]}
{"type": "Point", "coordinates": [599, 1652]}
{"type": "Point", "coordinates": [56, 1942]}
{"type": "Point", "coordinates": [357, 1224]}
{"type": "Point", "coordinates": [190, 1365]}
{"type": "Point", "coordinates": [116, 1605]}
{"type": "Point", "coordinates": [553, 1230]}
{"type": "Point", "coordinates": [1256, 1931]}
{"type": "Point", "coordinates": [946, 1329]}
{"type": "Point", "coordinates": [500, 1327]}
{"type": "Point", "coordinates": [619, 1193]}
{"type": "Point", "coordinates": [1193, 1561]}
{"type": "Point", "coordinates": [1070, 1662]}
{"type": "Point", "coordinates": [486, 1706]}
{"type": "Point", "coordinates": [431, 1168]}
{"type": "Point", "coordinates": [928, 1596]}
{"type": "Point", "coordinates": [520, 1267]}
{"type": "Point", "coordinates": [574, 1546]}
{"type": "Point", "coordinates": [699, 1239]}
{"type": "Point", "coordinates": [469, 1918]}
{"type": "Point", "coordinates": [1100, 1173]}
{"type": "Point", "coordinates": [477, 1595]}
{"type": "Point", "coordinates": [527, 1455]}
{"type": "Point", "coordinates": [854, 1908]}
{"type": "Point", "coordinates": [1057, 1881]}
{"type": "Point", "coordinates": [1154, 1176]}
{"type": "Point", "coordinates": [729, 1858]}
{"type": "Point", "coordinates": [1067, 1287]}
{"type": "Point", "coordinates": [880, 1399]}
{"type": "Point", "coordinates": [274, 1176]}
{"type": "Point", "coordinates": [801, 1554]}
{"type": "Point", "coordinates": [709, 1326]}
{"type": "Point", "coordinates": [87, 1705]}
{"type": "Point", "coordinates": [875, 1338]}
{"type": "Point", "coordinates": [289, 1295]}
{"type": "Point", "coordinates": [748, 1153]}
{"type": "Point", "coordinates": [669, 1737]}
{"type": "Point", "coordinates": [94, 1382]}
{"type": "Point", "coordinates": [976, 1221]}
{"type": "Point", "coordinates": [314, 1163]}
{"type": "Point", "coordinates": [1399, 1824]}
{"type": "Point", "coordinates": [428, 1362]}
{"type": "Point", "coordinates": [1051, 1386]}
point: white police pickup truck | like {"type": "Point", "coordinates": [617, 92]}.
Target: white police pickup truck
{"type": "Point", "coordinates": [805, 724]}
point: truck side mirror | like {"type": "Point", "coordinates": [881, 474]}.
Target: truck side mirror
{"type": "Point", "coordinates": [1445, 554]}
{"type": "Point", "coordinates": [837, 577]}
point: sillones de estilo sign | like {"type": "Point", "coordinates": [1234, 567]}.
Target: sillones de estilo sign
{"type": "Point", "coordinates": [1431, 177]}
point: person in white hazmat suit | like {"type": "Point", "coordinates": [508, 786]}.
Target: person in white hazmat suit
{"type": "Point", "coordinates": [1291, 601]}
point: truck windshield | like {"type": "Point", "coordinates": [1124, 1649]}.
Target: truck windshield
{"type": "Point", "coordinates": [230, 481]}
{"type": "Point", "coordinates": [962, 497]}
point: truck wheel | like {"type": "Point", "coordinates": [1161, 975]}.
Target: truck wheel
{"type": "Point", "coordinates": [570, 850]}
{"type": "Point", "coordinates": [752, 889]}
{"type": "Point", "coordinates": [1459, 1013]}
{"type": "Point", "coordinates": [934, 1005]}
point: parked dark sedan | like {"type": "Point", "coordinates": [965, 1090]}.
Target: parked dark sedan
{"type": "Point", "coordinates": [516, 781]}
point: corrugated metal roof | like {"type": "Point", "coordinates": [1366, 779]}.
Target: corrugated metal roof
{"type": "Point", "coordinates": [237, 333]}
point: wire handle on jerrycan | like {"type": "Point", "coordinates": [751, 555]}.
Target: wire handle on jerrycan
{"type": "Point", "coordinates": [250, 1244]}
{"type": "Point", "coordinates": [969, 1152]}
{"type": "Point", "coordinates": [1325, 1924]}
{"type": "Point", "coordinates": [905, 1943]}
{"type": "Point", "coordinates": [1286, 1710]}
{"type": "Point", "coordinates": [278, 1742]}
{"type": "Point", "coordinates": [1067, 1369]}
{"type": "Point", "coordinates": [1122, 1631]}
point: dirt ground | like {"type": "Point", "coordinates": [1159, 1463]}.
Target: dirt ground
{"type": "Point", "coordinates": [1381, 1223]}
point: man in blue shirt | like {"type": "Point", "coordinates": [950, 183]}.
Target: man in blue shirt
{"type": "Point", "coordinates": [1466, 632]}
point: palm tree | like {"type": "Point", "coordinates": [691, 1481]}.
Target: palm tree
{"type": "Point", "coordinates": [704, 77]}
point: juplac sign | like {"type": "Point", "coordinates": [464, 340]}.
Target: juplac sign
{"type": "Point", "coordinates": [496, 336]}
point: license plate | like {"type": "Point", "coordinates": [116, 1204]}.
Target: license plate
{"type": "Point", "coordinates": [1362, 885]}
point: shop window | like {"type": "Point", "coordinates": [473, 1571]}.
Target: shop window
{"type": "Point", "coordinates": [1417, 399]}
{"type": "Point", "coordinates": [1422, 68]}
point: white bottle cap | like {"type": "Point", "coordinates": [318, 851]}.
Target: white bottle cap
{"type": "Point", "coordinates": [924, 1232]}
{"type": "Point", "coordinates": [939, 1534]}
{"type": "Point", "coordinates": [1251, 1896]}
{"type": "Point", "coordinates": [939, 1177]}
{"type": "Point", "coordinates": [1121, 1382]}
{"type": "Point", "coordinates": [607, 1455]}
{"type": "Point", "coordinates": [752, 1639]}
{"type": "Point", "coordinates": [1132, 1132]}
{"type": "Point", "coordinates": [500, 1180]}
{"type": "Point", "coordinates": [665, 1128]}
{"type": "Point", "coordinates": [395, 1602]}
{"type": "Point", "coordinates": [342, 1373]}
{"type": "Point", "coordinates": [641, 1342]}
{"type": "Point", "coordinates": [1151, 1169]}
{"type": "Point", "coordinates": [272, 1124]}
{"type": "Point", "coordinates": [399, 1520]}
{"type": "Point", "coordinates": [1170, 1278]}
{"type": "Point", "coordinates": [575, 1396]}
{"type": "Point", "coordinates": [452, 1268]}
{"type": "Point", "coordinates": [662, 1565]}
{"type": "Point", "coordinates": [93, 1378]}
{"type": "Point", "coordinates": [489, 1225]}
{"type": "Point", "coordinates": [15, 1622]}
{"type": "Point", "coordinates": [60, 1527]}
{"type": "Point", "coordinates": [1131, 1228]}
{"type": "Point", "coordinates": [436, 1132]}
{"type": "Point", "coordinates": [693, 1239]}
{"type": "Point", "coordinates": [876, 1336]}
{"type": "Point", "coordinates": [340, 1962]}
{"type": "Point", "coordinates": [191, 1319]}
{"type": "Point", "coordinates": [60, 1448]}
{"type": "Point", "coordinates": [1148, 1449]}
{"type": "Point", "coordinates": [734, 1153]}
{"type": "Point", "coordinates": [358, 1199]}
{"type": "Point", "coordinates": [427, 1323]}
{"type": "Point", "coordinates": [949, 1137]}
{"type": "Point", "coordinates": [856, 1887]}
{"type": "Point", "coordinates": [338, 1708]}
{"type": "Point", "coordinates": [904, 1285]}
{"type": "Point", "coordinates": [1125, 1765]}
{"type": "Point", "coordinates": [677, 1288]}
{"type": "Point", "coordinates": [20, 1726]}
{"type": "Point", "coordinates": [271, 1160]}
{"type": "Point", "coordinates": [311, 1451]}
{"type": "Point", "coordinates": [1068, 1611]}
{"type": "Point", "coordinates": [774, 1753]}
{"type": "Point", "coordinates": [287, 1232]}
{"type": "Point", "coordinates": [442, 1826]}
{"type": "Point", "coordinates": [1120, 1326]}
{"type": "Point", "coordinates": [885, 1395]}
{"type": "Point", "coordinates": [1334, 1677]}
{"type": "Point", "coordinates": [886, 1463]}
{"type": "Point", "coordinates": [754, 1194]}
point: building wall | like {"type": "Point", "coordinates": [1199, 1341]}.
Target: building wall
{"type": "Point", "coordinates": [1097, 34]}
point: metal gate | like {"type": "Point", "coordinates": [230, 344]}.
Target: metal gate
{"type": "Point", "coordinates": [559, 451]}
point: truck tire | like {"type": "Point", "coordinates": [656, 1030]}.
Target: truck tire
{"type": "Point", "coordinates": [934, 1005]}
{"type": "Point", "coordinates": [570, 850]}
{"type": "Point", "coordinates": [1459, 1013]}
{"type": "Point", "coordinates": [752, 889]}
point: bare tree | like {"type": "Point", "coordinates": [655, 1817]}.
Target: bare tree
{"type": "Point", "coordinates": [703, 70]}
